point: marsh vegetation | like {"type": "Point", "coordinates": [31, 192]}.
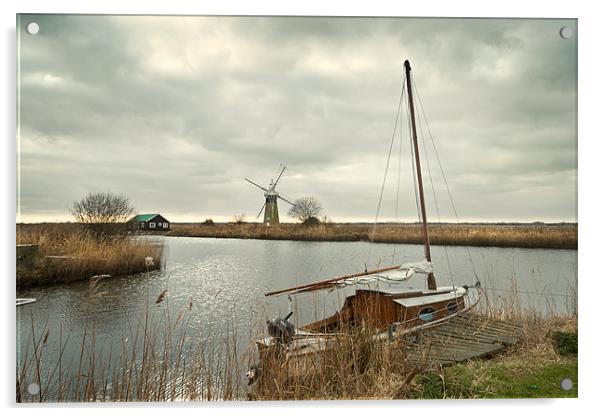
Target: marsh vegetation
{"type": "Point", "coordinates": [561, 236]}
{"type": "Point", "coordinates": [161, 359]}
{"type": "Point", "coordinates": [71, 252]}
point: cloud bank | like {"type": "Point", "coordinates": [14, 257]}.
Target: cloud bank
{"type": "Point", "coordinates": [175, 111]}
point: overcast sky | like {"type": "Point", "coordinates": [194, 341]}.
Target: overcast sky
{"type": "Point", "coordinates": [176, 111]}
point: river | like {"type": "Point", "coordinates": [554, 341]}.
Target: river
{"type": "Point", "coordinates": [220, 283]}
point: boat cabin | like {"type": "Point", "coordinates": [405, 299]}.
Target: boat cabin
{"type": "Point", "coordinates": [377, 309]}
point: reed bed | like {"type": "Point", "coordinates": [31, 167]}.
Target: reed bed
{"type": "Point", "coordinates": [561, 236]}
{"type": "Point", "coordinates": [161, 359]}
{"type": "Point", "coordinates": [358, 367]}
{"type": "Point", "coordinates": [70, 252]}
{"type": "Point", "coordinates": [158, 359]}
{"type": "Point", "coordinates": [536, 326]}
{"type": "Point", "coordinates": [534, 367]}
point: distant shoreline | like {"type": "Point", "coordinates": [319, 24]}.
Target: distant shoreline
{"type": "Point", "coordinates": [519, 235]}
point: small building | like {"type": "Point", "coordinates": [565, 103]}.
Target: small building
{"type": "Point", "coordinates": [148, 222]}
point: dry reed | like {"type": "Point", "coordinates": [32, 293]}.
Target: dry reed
{"type": "Point", "coordinates": [360, 367]}
{"type": "Point", "coordinates": [70, 252]}
{"type": "Point", "coordinates": [355, 367]}
{"type": "Point", "coordinates": [562, 236]}
{"type": "Point", "coordinates": [161, 360]}
{"type": "Point", "coordinates": [158, 360]}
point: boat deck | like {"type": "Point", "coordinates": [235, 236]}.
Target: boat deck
{"type": "Point", "coordinates": [461, 338]}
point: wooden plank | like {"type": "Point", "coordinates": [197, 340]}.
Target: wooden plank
{"type": "Point", "coordinates": [500, 329]}
{"type": "Point", "coordinates": [460, 342]}
{"type": "Point", "coordinates": [477, 336]}
{"type": "Point", "coordinates": [481, 337]}
{"type": "Point", "coordinates": [494, 324]}
{"type": "Point", "coordinates": [459, 355]}
{"type": "Point", "coordinates": [455, 344]}
{"type": "Point", "coordinates": [484, 329]}
{"type": "Point", "coordinates": [462, 338]}
{"type": "Point", "coordinates": [481, 333]}
{"type": "Point", "coordinates": [474, 350]}
{"type": "Point", "coordinates": [495, 339]}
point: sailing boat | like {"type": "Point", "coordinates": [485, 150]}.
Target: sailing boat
{"type": "Point", "coordinates": [388, 313]}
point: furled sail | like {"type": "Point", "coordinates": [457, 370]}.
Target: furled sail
{"type": "Point", "coordinates": [421, 267]}
{"type": "Point", "coordinates": [403, 273]}
{"type": "Point", "coordinates": [391, 274]}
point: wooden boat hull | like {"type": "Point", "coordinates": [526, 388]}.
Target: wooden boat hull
{"type": "Point", "coordinates": [388, 315]}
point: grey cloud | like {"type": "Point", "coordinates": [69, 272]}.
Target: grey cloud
{"type": "Point", "coordinates": [174, 111]}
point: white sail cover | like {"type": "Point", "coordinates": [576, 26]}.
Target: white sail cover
{"type": "Point", "coordinates": [421, 267]}
{"type": "Point", "coordinates": [402, 274]}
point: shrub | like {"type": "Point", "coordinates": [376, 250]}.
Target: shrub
{"type": "Point", "coordinates": [565, 342]}
{"type": "Point", "coordinates": [311, 221]}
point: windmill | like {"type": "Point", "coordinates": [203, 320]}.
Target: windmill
{"type": "Point", "coordinates": [270, 216]}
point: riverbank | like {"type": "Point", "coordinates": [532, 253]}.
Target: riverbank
{"type": "Point", "coordinates": [69, 252]}
{"type": "Point", "coordinates": [154, 366]}
{"type": "Point", "coordinates": [362, 369]}
{"type": "Point", "coordinates": [534, 369]}
{"type": "Point", "coordinates": [216, 292]}
{"type": "Point", "coordinates": [553, 236]}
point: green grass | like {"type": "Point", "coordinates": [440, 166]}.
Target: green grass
{"type": "Point", "coordinates": [499, 379]}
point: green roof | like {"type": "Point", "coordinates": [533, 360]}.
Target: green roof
{"type": "Point", "coordinates": [144, 217]}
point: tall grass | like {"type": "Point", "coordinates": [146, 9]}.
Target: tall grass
{"type": "Point", "coordinates": [527, 236]}
{"type": "Point", "coordinates": [69, 252]}
{"type": "Point", "coordinates": [536, 325]}
{"type": "Point", "coordinates": [356, 367]}
{"type": "Point", "coordinates": [534, 367]}
{"type": "Point", "coordinates": [161, 359]}
{"type": "Point", "coordinates": [157, 359]}
{"type": "Point", "coordinates": [360, 367]}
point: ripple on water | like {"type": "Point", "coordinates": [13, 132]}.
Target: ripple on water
{"type": "Point", "coordinates": [225, 279]}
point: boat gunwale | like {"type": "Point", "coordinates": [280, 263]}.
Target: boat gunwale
{"type": "Point", "coordinates": [380, 335]}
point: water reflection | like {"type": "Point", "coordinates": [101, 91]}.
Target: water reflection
{"type": "Point", "coordinates": [223, 281]}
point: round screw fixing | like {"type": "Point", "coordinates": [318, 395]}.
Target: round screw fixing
{"type": "Point", "coordinates": [32, 28]}
{"type": "Point", "coordinates": [33, 388]}
{"type": "Point", "coordinates": [566, 384]}
{"type": "Point", "coordinates": [566, 32]}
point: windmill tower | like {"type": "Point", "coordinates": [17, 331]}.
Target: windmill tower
{"type": "Point", "coordinates": [270, 206]}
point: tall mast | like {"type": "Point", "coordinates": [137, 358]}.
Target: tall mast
{"type": "Point", "coordinates": [432, 284]}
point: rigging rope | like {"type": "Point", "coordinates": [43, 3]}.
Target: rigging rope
{"type": "Point", "coordinates": [414, 179]}
{"type": "Point", "coordinates": [530, 292]}
{"type": "Point", "coordinates": [382, 188]}
{"type": "Point", "coordinates": [398, 183]}
{"type": "Point", "coordinates": [445, 180]}
{"type": "Point", "coordinates": [428, 165]}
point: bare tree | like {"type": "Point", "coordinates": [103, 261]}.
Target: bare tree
{"type": "Point", "coordinates": [240, 218]}
{"type": "Point", "coordinates": [102, 208]}
{"type": "Point", "coordinates": [305, 208]}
